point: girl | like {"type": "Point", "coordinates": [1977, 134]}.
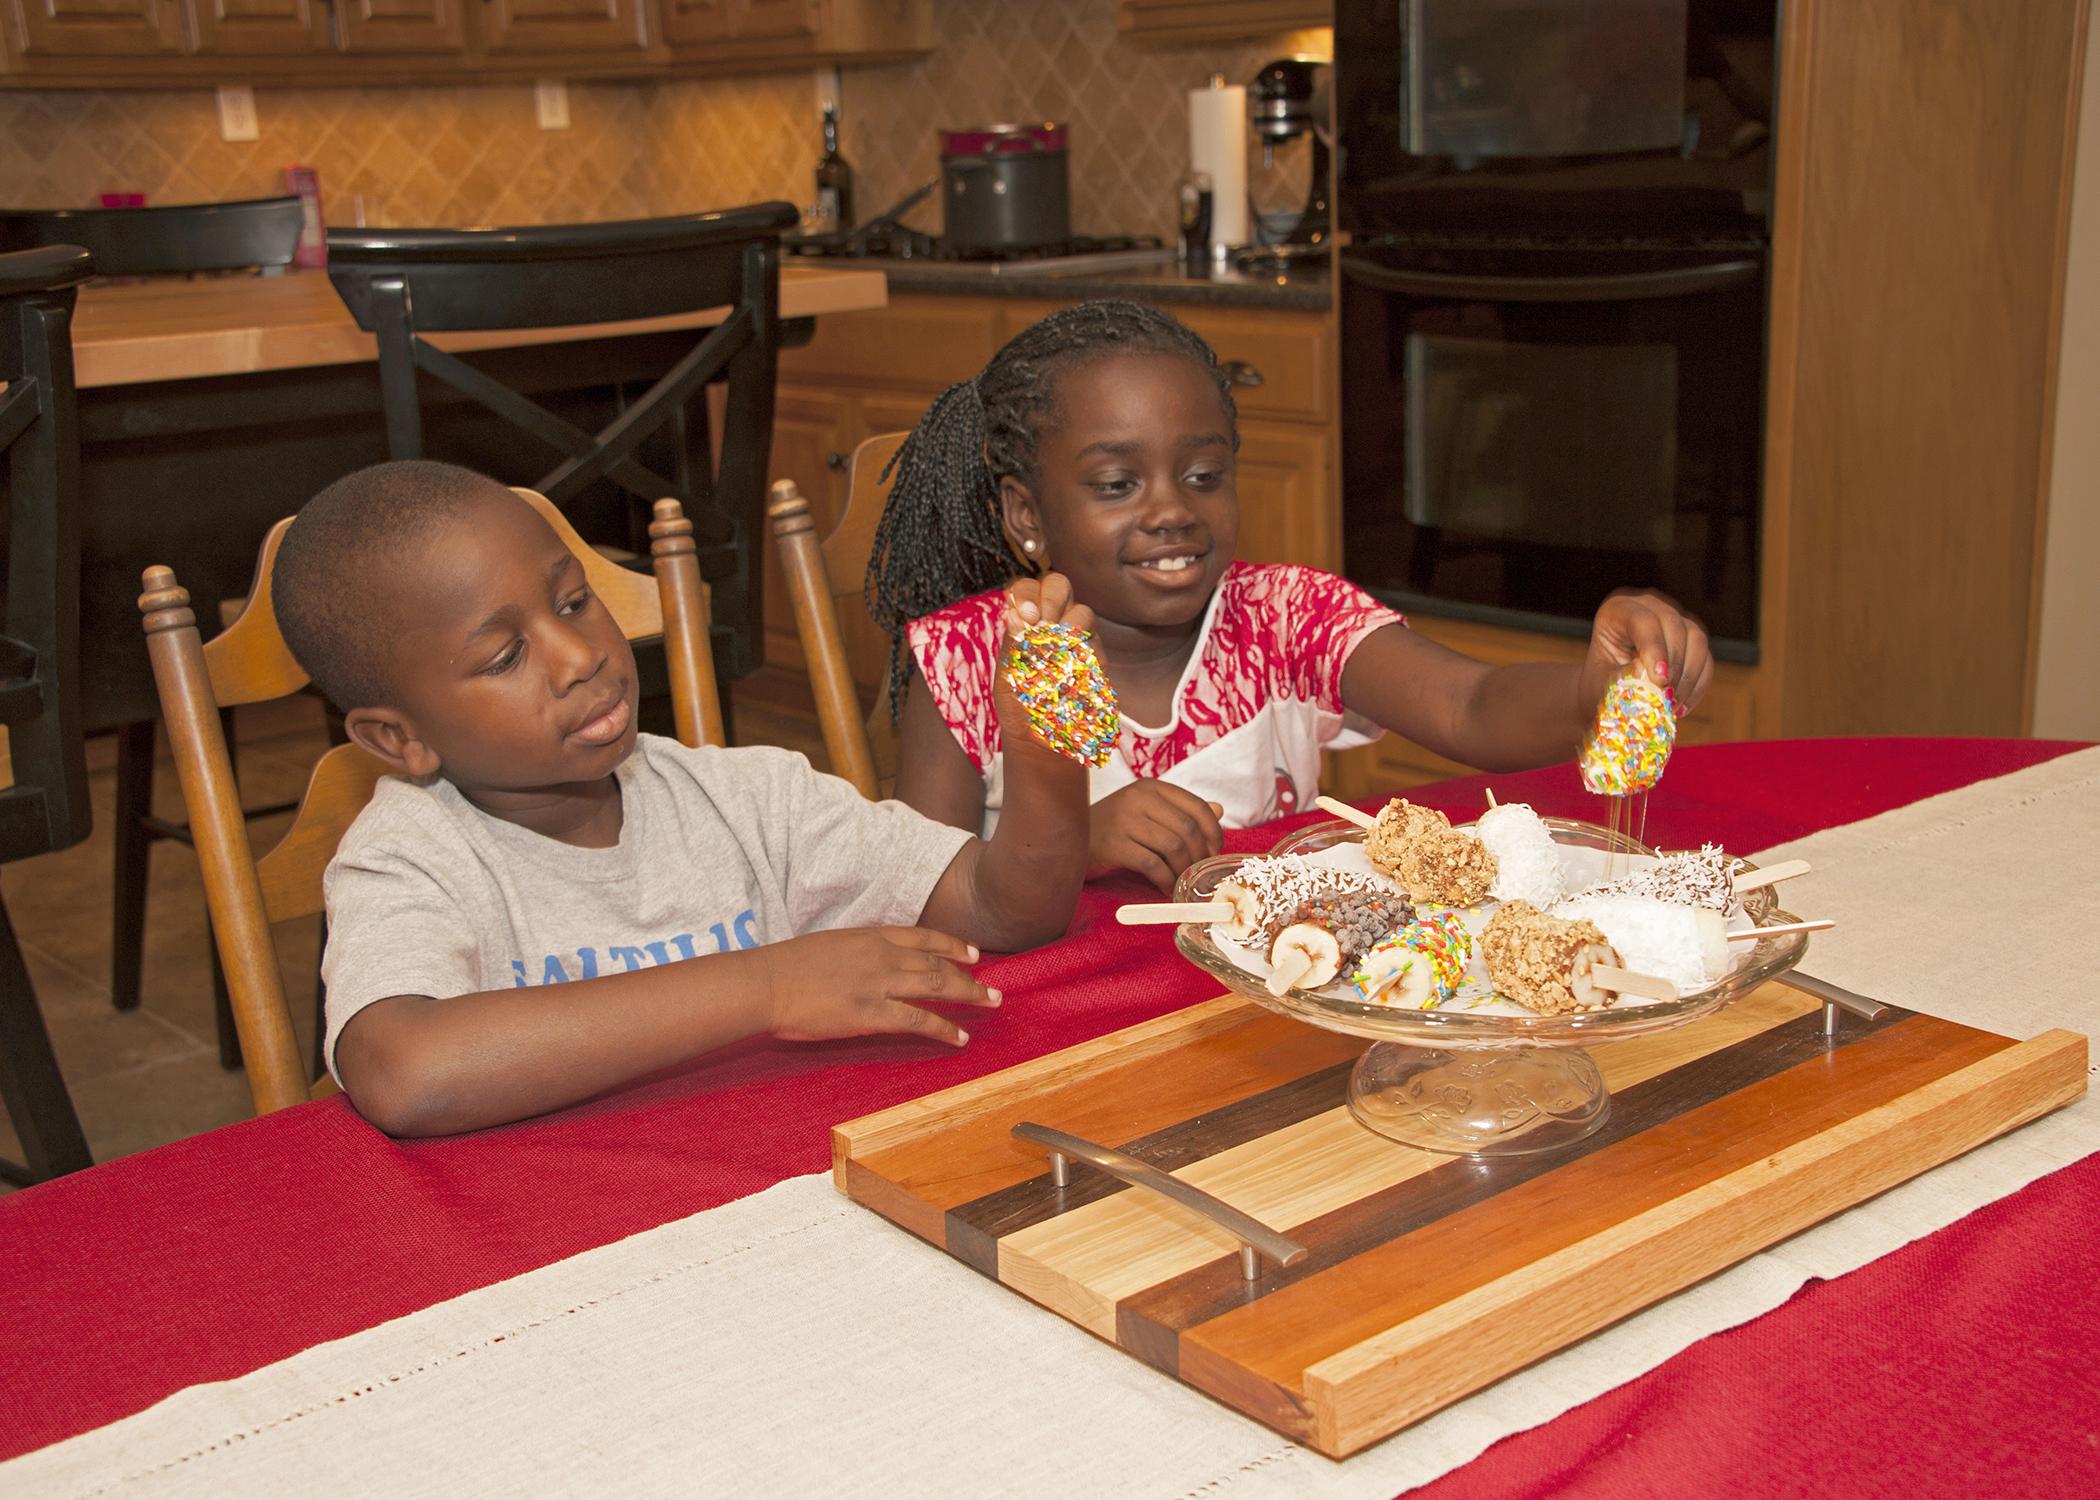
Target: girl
{"type": "Point", "coordinates": [1100, 442]}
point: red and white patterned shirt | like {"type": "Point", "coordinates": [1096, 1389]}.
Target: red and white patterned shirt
{"type": "Point", "coordinates": [1260, 698]}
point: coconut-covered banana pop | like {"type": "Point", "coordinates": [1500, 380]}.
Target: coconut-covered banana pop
{"type": "Point", "coordinates": [1329, 932]}
{"type": "Point", "coordinates": [1417, 967]}
{"type": "Point", "coordinates": [1527, 861]}
{"type": "Point", "coordinates": [1697, 877]}
{"type": "Point", "coordinates": [1547, 964]}
{"type": "Point", "coordinates": [1426, 857]}
{"type": "Point", "coordinates": [1687, 945]}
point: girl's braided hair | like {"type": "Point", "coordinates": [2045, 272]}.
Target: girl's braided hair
{"type": "Point", "coordinates": [942, 535]}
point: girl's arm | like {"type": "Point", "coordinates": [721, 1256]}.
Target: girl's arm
{"type": "Point", "coordinates": [934, 776]}
{"type": "Point", "coordinates": [1529, 714]}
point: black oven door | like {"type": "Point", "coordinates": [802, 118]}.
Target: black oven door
{"type": "Point", "coordinates": [1525, 430]}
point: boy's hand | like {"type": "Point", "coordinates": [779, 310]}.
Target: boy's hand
{"type": "Point", "coordinates": [1155, 828]}
{"type": "Point", "coordinates": [1635, 625]}
{"type": "Point", "coordinates": [865, 981]}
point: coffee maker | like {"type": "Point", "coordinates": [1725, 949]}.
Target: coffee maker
{"type": "Point", "coordinates": [1290, 100]}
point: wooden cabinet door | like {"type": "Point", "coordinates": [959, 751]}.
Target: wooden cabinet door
{"type": "Point", "coordinates": [94, 28]}
{"type": "Point", "coordinates": [260, 28]}
{"type": "Point", "coordinates": [697, 20]}
{"type": "Point", "coordinates": [562, 26]}
{"type": "Point", "coordinates": [773, 17]}
{"type": "Point", "coordinates": [1287, 507]}
{"type": "Point", "coordinates": [401, 25]}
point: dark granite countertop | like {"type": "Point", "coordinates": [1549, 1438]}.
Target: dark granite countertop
{"type": "Point", "coordinates": [1301, 291]}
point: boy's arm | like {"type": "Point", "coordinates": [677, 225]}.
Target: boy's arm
{"type": "Point", "coordinates": [1017, 889]}
{"type": "Point", "coordinates": [1509, 718]}
{"type": "Point", "coordinates": [420, 1066]}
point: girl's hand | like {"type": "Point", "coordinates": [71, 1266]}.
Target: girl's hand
{"type": "Point", "coordinates": [1637, 625]}
{"type": "Point", "coordinates": [1155, 828]}
{"type": "Point", "coordinates": [1044, 601]}
{"type": "Point", "coordinates": [864, 981]}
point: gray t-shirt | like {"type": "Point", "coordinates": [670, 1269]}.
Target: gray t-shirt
{"type": "Point", "coordinates": [719, 850]}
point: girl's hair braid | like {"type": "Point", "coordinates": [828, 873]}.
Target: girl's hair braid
{"type": "Point", "coordinates": [942, 536]}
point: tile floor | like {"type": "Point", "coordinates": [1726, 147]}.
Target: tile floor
{"type": "Point", "coordinates": [144, 1077]}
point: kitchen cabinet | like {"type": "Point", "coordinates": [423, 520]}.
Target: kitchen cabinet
{"type": "Point", "coordinates": [260, 28]}
{"type": "Point", "coordinates": [1218, 20]}
{"type": "Point", "coordinates": [556, 27]}
{"type": "Point", "coordinates": [117, 44]}
{"type": "Point", "coordinates": [96, 29]}
{"type": "Point", "coordinates": [401, 25]}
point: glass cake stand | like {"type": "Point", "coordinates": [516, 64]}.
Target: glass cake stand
{"type": "Point", "coordinates": [1480, 1084]}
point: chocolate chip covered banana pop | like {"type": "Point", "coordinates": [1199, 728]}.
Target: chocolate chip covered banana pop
{"type": "Point", "coordinates": [1329, 932]}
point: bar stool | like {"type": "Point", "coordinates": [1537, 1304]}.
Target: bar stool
{"type": "Point", "coordinates": [44, 805]}
{"type": "Point", "coordinates": [404, 284]}
{"type": "Point", "coordinates": [185, 239]}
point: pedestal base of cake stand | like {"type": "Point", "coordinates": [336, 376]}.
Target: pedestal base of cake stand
{"type": "Point", "coordinates": [1495, 1101]}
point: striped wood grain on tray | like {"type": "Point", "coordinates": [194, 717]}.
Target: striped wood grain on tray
{"type": "Point", "coordinates": [1429, 1276]}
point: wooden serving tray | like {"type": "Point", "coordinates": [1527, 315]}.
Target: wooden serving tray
{"type": "Point", "coordinates": [1427, 1276]}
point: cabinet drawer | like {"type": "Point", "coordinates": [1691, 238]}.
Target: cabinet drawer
{"type": "Point", "coordinates": [914, 343]}
{"type": "Point", "coordinates": [1283, 362]}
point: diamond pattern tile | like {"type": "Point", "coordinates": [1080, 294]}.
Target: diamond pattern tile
{"type": "Point", "coordinates": [475, 155]}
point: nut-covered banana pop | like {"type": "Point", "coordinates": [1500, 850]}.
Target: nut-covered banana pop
{"type": "Point", "coordinates": [1545, 964]}
{"type": "Point", "coordinates": [1426, 857]}
{"type": "Point", "coordinates": [1329, 933]}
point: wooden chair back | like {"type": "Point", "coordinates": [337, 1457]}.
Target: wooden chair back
{"type": "Point", "coordinates": [402, 284]}
{"type": "Point", "coordinates": [846, 651]}
{"type": "Point", "coordinates": [185, 237]}
{"type": "Point", "coordinates": [250, 663]}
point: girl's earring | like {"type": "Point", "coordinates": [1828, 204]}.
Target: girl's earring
{"type": "Point", "coordinates": [1028, 546]}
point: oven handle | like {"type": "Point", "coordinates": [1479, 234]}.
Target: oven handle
{"type": "Point", "coordinates": [1630, 286]}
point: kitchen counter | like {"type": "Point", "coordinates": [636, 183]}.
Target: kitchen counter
{"type": "Point", "coordinates": [249, 325]}
{"type": "Point", "coordinates": [1302, 291]}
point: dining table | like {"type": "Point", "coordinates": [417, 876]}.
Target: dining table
{"type": "Point", "coordinates": [1967, 1358]}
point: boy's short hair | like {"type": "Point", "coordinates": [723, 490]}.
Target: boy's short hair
{"type": "Point", "coordinates": [337, 545]}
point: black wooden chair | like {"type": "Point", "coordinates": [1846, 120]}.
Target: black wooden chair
{"type": "Point", "coordinates": [189, 238]}
{"type": "Point", "coordinates": [186, 238]}
{"type": "Point", "coordinates": [404, 284]}
{"type": "Point", "coordinates": [45, 804]}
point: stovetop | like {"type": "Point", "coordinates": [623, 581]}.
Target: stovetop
{"type": "Point", "coordinates": [889, 247]}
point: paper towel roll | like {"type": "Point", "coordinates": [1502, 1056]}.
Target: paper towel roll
{"type": "Point", "coordinates": [1218, 145]}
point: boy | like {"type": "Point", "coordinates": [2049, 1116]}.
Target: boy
{"type": "Point", "coordinates": [547, 905]}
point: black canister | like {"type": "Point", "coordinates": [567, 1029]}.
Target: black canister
{"type": "Point", "coordinates": [1004, 189]}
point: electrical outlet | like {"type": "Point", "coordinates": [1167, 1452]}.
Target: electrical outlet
{"type": "Point", "coordinates": [237, 113]}
{"type": "Point", "coordinates": [827, 84]}
{"type": "Point", "coordinates": [551, 95]}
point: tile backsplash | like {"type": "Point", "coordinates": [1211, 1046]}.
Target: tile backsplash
{"type": "Point", "coordinates": [475, 154]}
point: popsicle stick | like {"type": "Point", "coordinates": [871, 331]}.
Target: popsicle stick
{"type": "Point", "coordinates": [1626, 982]}
{"type": "Point", "coordinates": [1345, 812]}
{"type": "Point", "coordinates": [1490, 793]}
{"type": "Point", "coordinates": [1786, 869]}
{"type": "Point", "coordinates": [1160, 913]}
{"type": "Point", "coordinates": [1752, 934]}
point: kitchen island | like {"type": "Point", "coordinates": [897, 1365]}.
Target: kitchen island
{"type": "Point", "coordinates": [209, 409]}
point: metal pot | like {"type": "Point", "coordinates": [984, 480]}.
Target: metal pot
{"type": "Point", "coordinates": [1005, 188]}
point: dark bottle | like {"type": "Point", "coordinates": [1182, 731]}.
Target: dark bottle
{"type": "Point", "coordinates": [834, 177]}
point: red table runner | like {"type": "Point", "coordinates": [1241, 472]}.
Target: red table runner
{"type": "Point", "coordinates": [1969, 1355]}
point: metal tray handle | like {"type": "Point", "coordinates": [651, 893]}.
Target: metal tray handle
{"type": "Point", "coordinates": [1253, 1235]}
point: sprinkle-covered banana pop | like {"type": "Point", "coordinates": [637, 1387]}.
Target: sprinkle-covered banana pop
{"type": "Point", "coordinates": [1071, 705]}
{"type": "Point", "coordinates": [1417, 967]}
{"type": "Point", "coordinates": [1630, 742]}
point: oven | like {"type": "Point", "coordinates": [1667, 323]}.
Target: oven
{"type": "Point", "coordinates": [1552, 295]}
